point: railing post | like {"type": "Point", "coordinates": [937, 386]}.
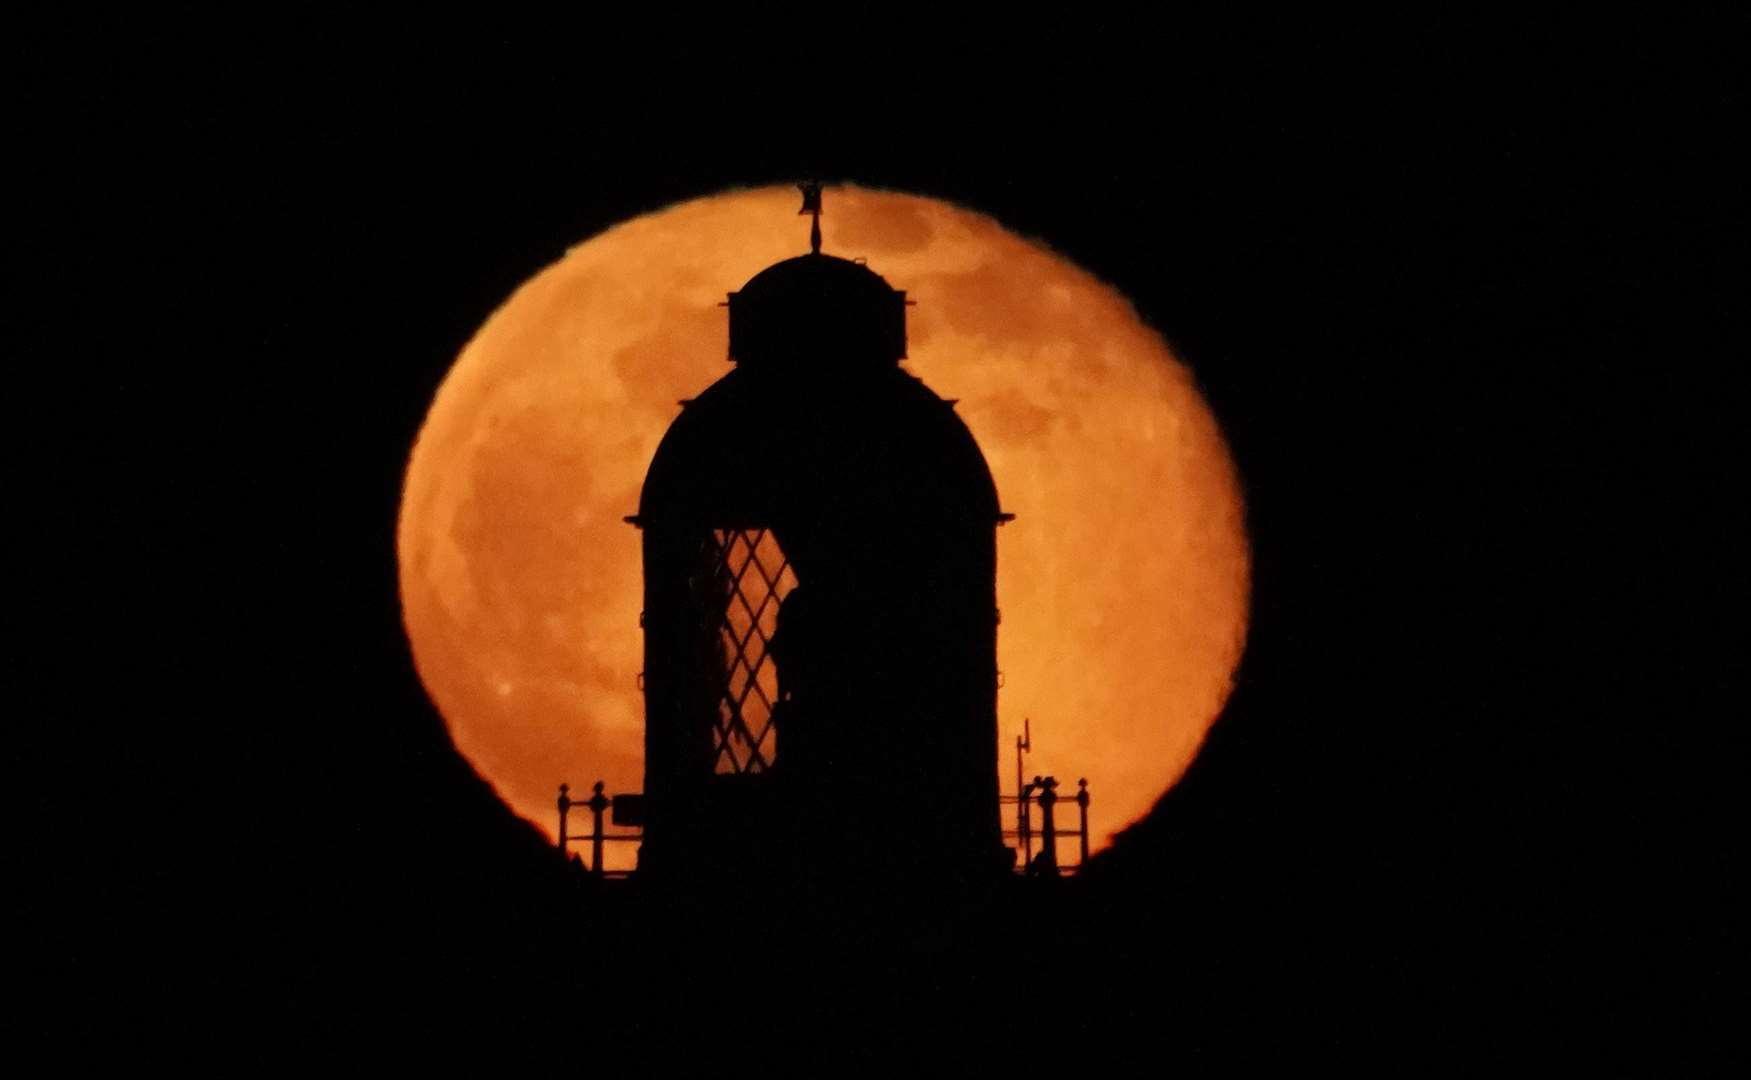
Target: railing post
{"type": "Point", "coordinates": [565, 805]}
{"type": "Point", "coordinates": [1082, 801]}
{"type": "Point", "coordinates": [1048, 828]}
{"type": "Point", "coordinates": [598, 803]}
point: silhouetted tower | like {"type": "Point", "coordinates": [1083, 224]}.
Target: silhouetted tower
{"type": "Point", "coordinates": [820, 608]}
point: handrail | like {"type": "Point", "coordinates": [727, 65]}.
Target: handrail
{"type": "Point", "coordinates": [1041, 793]}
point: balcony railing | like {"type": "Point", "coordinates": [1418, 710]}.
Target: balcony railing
{"type": "Point", "coordinates": [1036, 827]}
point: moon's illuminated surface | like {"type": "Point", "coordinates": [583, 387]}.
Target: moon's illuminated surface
{"type": "Point", "coordinates": [1123, 582]}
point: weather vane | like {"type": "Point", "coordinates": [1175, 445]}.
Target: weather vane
{"type": "Point", "coordinates": [811, 190]}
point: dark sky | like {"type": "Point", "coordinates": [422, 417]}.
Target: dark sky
{"type": "Point", "coordinates": [1439, 295]}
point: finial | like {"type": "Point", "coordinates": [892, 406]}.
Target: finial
{"type": "Point", "coordinates": [811, 190]}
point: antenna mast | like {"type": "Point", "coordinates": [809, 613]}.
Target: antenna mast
{"type": "Point", "coordinates": [1023, 744]}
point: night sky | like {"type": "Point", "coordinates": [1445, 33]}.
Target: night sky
{"type": "Point", "coordinates": [1439, 298]}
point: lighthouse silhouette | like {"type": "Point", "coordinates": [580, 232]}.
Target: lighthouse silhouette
{"type": "Point", "coordinates": [820, 613]}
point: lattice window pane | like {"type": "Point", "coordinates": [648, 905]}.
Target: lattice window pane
{"type": "Point", "coordinates": [753, 577]}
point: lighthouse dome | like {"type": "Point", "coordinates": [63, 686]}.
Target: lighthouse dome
{"type": "Point", "coordinates": [812, 310]}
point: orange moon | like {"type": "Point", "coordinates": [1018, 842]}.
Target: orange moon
{"type": "Point", "coordinates": [1123, 582]}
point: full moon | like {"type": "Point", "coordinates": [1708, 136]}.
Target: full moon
{"type": "Point", "coordinates": [1122, 583]}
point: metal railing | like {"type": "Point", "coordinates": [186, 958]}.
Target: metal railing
{"type": "Point", "coordinates": [1043, 793]}
{"type": "Point", "coordinates": [597, 804]}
